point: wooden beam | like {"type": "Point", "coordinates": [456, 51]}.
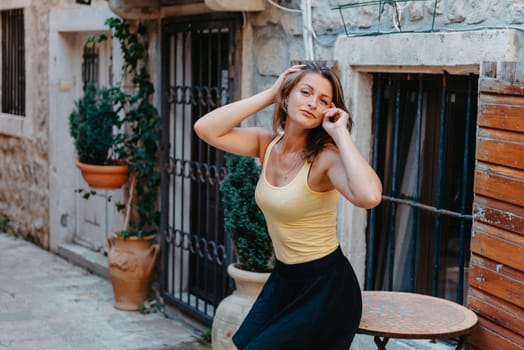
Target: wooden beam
{"type": "Point", "coordinates": [503, 215]}
{"type": "Point", "coordinates": [505, 249]}
{"type": "Point", "coordinates": [501, 312]}
{"type": "Point", "coordinates": [497, 279]}
{"type": "Point", "coordinates": [489, 336]}
{"type": "Point", "coordinates": [499, 182]}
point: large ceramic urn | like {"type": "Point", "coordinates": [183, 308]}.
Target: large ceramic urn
{"type": "Point", "coordinates": [131, 264]}
{"type": "Point", "coordinates": [233, 309]}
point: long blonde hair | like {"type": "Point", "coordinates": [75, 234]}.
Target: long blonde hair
{"type": "Point", "coordinates": [317, 138]}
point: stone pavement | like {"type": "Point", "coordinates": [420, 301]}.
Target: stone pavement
{"type": "Point", "coordinates": [49, 303]}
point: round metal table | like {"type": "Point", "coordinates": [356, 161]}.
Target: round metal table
{"type": "Point", "coordinates": [388, 315]}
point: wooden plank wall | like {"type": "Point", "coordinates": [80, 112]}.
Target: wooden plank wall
{"type": "Point", "coordinates": [496, 273]}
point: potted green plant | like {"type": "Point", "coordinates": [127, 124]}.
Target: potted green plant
{"type": "Point", "coordinates": [243, 219]}
{"type": "Point", "coordinates": [132, 253]}
{"type": "Point", "coordinates": [244, 223]}
{"type": "Point", "coordinates": [95, 126]}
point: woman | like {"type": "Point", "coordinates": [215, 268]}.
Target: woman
{"type": "Point", "coordinates": [312, 299]}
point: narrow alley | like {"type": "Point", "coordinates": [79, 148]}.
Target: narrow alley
{"type": "Point", "coordinates": [49, 303]}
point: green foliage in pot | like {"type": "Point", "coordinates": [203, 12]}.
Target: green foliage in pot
{"type": "Point", "coordinates": [121, 122]}
{"type": "Point", "coordinates": [94, 125]}
{"type": "Point", "coordinates": [243, 220]}
{"type": "Point", "coordinates": [142, 129]}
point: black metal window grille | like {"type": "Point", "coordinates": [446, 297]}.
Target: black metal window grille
{"type": "Point", "coordinates": [379, 8]}
{"type": "Point", "coordinates": [13, 62]}
{"type": "Point", "coordinates": [424, 141]}
{"type": "Point", "coordinates": [90, 65]}
{"type": "Point", "coordinates": [199, 55]}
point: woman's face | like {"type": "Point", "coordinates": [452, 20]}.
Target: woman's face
{"type": "Point", "coordinates": [308, 100]}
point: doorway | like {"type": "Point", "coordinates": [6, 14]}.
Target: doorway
{"type": "Point", "coordinates": [95, 216]}
{"type": "Point", "coordinates": [201, 62]}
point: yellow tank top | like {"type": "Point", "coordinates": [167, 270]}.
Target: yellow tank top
{"type": "Point", "coordinates": [301, 222]}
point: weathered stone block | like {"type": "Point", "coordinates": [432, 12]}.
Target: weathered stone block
{"type": "Point", "coordinates": [327, 22]}
{"type": "Point", "coordinates": [456, 11]}
{"type": "Point", "coordinates": [296, 49]}
{"type": "Point", "coordinates": [515, 13]}
{"type": "Point", "coordinates": [415, 11]}
{"type": "Point", "coordinates": [271, 15]}
{"type": "Point", "coordinates": [271, 56]}
{"type": "Point", "coordinates": [292, 23]}
{"type": "Point", "coordinates": [478, 11]}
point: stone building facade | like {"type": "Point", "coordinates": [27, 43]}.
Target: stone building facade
{"type": "Point", "coordinates": [37, 181]}
{"type": "Point", "coordinates": [465, 33]}
{"type": "Point", "coordinates": [36, 190]}
{"type": "Point", "coordinates": [24, 159]}
{"type": "Point", "coordinates": [468, 32]}
{"type": "Point", "coordinates": [429, 37]}
{"type": "Point", "coordinates": [366, 40]}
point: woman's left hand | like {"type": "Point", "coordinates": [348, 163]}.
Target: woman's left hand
{"type": "Point", "coordinates": [348, 171]}
{"type": "Point", "coordinates": [335, 119]}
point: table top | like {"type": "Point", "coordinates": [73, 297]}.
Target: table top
{"type": "Point", "coordinates": [413, 316]}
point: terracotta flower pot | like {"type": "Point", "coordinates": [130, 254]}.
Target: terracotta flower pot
{"type": "Point", "coordinates": [104, 177]}
{"type": "Point", "coordinates": [131, 263]}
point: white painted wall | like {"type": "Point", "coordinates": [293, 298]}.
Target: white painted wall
{"type": "Point", "coordinates": [67, 26]}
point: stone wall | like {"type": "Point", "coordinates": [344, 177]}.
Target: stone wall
{"type": "Point", "coordinates": [276, 39]}
{"type": "Point", "coordinates": [277, 34]}
{"type": "Point", "coordinates": [24, 160]}
{"type": "Point", "coordinates": [466, 36]}
{"type": "Point", "coordinates": [23, 186]}
{"type": "Point", "coordinates": [25, 141]}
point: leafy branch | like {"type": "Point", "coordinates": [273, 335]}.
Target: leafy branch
{"type": "Point", "coordinates": [142, 122]}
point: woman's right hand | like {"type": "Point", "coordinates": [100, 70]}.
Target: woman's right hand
{"type": "Point", "coordinates": [220, 127]}
{"type": "Point", "coordinates": [278, 83]}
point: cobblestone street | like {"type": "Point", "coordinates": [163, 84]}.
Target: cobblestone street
{"type": "Point", "coordinates": [49, 303]}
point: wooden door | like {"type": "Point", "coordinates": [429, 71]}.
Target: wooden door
{"type": "Point", "coordinates": [496, 274]}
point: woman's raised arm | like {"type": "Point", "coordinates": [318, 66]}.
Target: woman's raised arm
{"type": "Point", "coordinates": [349, 172]}
{"type": "Point", "coordinates": [219, 127]}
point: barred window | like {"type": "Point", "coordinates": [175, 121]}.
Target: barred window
{"type": "Point", "coordinates": [13, 62]}
{"type": "Point", "coordinates": [418, 237]}
{"type": "Point", "coordinates": [90, 65]}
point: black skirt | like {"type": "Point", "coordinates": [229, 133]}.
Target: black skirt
{"type": "Point", "coordinates": [313, 305]}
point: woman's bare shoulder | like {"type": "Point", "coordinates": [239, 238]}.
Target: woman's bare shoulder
{"type": "Point", "coordinates": [265, 138]}
{"type": "Point", "coordinates": [328, 156]}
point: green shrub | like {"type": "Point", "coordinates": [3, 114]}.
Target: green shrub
{"type": "Point", "coordinates": [143, 130]}
{"type": "Point", "coordinates": [93, 124]}
{"type": "Point", "coordinates": [130, 110]}
{"type": "Point", "coordinates": [243, 220]}
{"type": "Point", "coordinates": [6, 227]}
